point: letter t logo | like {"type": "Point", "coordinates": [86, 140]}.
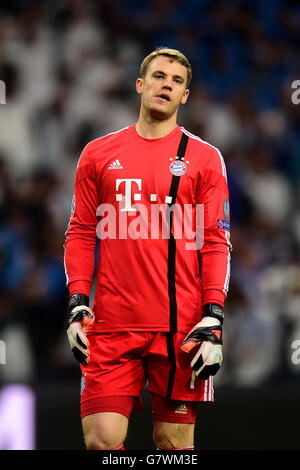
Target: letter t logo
{"type": "Point", "coordinates": [127, 207]}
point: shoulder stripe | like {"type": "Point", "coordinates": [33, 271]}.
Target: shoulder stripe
{"type": "Point", "coordinates": [195, 137]}
{"type": "Point", "coordinates": [106, 135]}
{"type": "Point", "coordinates": [65, 268]}
{"type": "Point", "coordinates": [227, 277]}
{"type": "Point", "coordinates": [111, 133]}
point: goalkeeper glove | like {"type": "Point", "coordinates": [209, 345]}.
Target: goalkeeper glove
{"type": "Point", "coordinates": [208, 335]}
{"type": "Point", "coordinates": [80, 316]}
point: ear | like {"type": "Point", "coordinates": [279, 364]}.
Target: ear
{"type": "Point", "coordinates": [139, 85]}
{"type": "Point", "coordinates": [185, 96]}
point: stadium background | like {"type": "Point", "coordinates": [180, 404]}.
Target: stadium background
{"type": "Point", "coordinates": [69, 69]}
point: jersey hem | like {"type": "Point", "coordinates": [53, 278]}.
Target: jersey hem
{"type": "Point", "coordinates": [131, 328]}
{"type": "Point", "coordinates": [113, 393]}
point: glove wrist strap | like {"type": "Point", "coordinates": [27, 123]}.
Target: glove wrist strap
{"type": "Point", "coordinates": [215, 311]}
{"type": "Point", "coordinates": [76, 300]}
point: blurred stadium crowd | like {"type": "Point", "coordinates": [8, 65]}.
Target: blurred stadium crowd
{"type": "Point", "coordinates": [70, 67]}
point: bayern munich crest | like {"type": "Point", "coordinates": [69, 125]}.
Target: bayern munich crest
{"type": "Point", "coordinates": [178, 168]}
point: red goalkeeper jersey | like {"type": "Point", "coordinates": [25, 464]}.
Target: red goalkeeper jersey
{"type": "Point", "coordinates": [160, 209]}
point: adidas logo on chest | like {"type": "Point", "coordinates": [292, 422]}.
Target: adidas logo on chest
{"type": "Point", "coordinates": [115, 165]}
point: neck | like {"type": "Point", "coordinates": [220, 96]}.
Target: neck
{"type": "Point", "coordinates": [151, 128]}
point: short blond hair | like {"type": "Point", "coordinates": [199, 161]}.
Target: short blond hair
{"type": "Point", "coordinates": [172, 54]}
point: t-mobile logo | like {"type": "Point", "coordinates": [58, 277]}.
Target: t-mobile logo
{"type": "Point", "coordinates": [159, 220]}
{"type": "Point", "coordinates": [136, 196]}
{"type": "Point", "coordinates": [127, 198]}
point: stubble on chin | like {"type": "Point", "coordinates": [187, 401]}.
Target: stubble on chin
{"type": "Point", "coordinates": [158, 112]}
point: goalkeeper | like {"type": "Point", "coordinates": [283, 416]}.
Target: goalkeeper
{"type": "Point", "coordinates": [158, 313]}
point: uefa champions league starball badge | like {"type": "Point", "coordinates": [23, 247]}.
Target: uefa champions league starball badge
{"type": "Point", "coordinates": [178, 167]}
{"type": "Point", "coordinates": [82, 384]}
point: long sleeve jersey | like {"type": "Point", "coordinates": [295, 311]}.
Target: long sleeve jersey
{"type": "Point", "coordinates": [160, 209]}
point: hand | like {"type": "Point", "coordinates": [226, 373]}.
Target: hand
{"type": "Point", "coordinates": [208, 335]}
{"type": "Point", "coordinates": [80, 316]}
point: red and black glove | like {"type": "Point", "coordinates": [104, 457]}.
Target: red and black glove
{"type": "Point", "coordinates": [80, 317]}
{"type": "Point", "coordinates": [207, 336]}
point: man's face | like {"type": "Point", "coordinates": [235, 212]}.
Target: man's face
{"type": "Point", "coordinates": [163, 88]}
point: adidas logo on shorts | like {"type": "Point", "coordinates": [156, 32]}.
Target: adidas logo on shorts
{"type": "Point", "coordinates": [181, 409]}
{"type": "Point", "coordinates": [116, 165]}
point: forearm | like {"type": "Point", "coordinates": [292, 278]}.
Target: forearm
{"type": "Point", "coordinates": [215, 272]}
{"type": "Point", "coordinates": [80, 262]}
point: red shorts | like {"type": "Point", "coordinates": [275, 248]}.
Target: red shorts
{"type": "Point", "coordinates": [122, 363]}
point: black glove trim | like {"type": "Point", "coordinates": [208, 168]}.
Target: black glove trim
{"type": "Point", "coordinates": [78, 299]}
{"type": "Point", "coordinates": [205, 333]}
{"type": "Point", "coordinates": [215, 311]}
{"type": "Point", "coordinates": [79, 356]}
{"type": "Point", "coordinates": [207, 371]}
{"type": "Point", "coordinates": [81, 343]}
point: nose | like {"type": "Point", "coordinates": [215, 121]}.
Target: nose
{"type": "Point", "coordinates": [167, 83]}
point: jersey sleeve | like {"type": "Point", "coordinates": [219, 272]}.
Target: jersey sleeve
{"type": "Point", "coordinates": [80, 238]}
{"type": "Point", "coordinates": [215, 251]}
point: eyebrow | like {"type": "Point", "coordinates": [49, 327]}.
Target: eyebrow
{"type": "Point", "coordinates": [163, 73]}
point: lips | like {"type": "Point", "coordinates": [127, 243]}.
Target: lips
{"type": "Point", "coordinates": [163, 96]}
